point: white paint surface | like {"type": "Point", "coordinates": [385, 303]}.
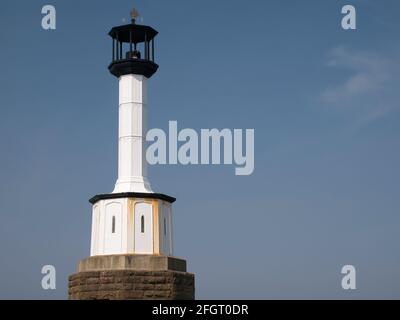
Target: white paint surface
{"type": "Point", "coordinates": [128, 237]}
{"type": "Point", "coordinates": [104, 241]}
{"type": "Point", "coordinates": [143, 240]}
{"type": "Point", "coordinates": [166, 228]}
{"type": "Point", "coordinates": [132, 166]}
{"type": "Point", "coordinates": [113, 240]}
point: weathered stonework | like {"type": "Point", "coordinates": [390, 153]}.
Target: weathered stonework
{"type": "Point", "coordinates": [132, 282]}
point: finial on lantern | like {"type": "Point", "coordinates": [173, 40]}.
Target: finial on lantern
{"type": "Point", "coordinates": [134, 15]}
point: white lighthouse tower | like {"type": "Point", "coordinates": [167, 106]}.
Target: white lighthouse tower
{"type": "Point", "coordinates": [132, 219]}
{"type": "Point", "coordinates": [131, 254]}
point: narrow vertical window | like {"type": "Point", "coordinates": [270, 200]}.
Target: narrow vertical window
{"type": "Point", "coordinates": [165, 227]}
{"type": "Point", "coordinates": [142, 224]}
{"type": "Point", "coordinates": [113, 225]}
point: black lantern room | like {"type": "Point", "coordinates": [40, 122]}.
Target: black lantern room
{"type": "Point", "coordinates": [133, 50]}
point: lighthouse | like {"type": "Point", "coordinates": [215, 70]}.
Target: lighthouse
{"type": "Point", "coordinates": [131, 232]}
{"type": "Point", "coordinates": [132, 219]}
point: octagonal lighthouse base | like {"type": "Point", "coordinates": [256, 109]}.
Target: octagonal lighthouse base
{"type": "Point", "coordinates": [125, 277]}
{"type": "Point", "coordinates": [131, 223]}
{"type": "Point", "coordinates": [131, 251]}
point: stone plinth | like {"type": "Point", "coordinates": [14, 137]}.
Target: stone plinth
{"type": "Point", "coordinates": [131, 277]}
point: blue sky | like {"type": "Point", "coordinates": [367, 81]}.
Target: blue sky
{"type": "Point", "coordinates": [324, 104]}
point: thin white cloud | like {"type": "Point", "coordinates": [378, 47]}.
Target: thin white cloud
{"type": "Point", "coordinates": [367, 90]}
{"type": "Point", "coordinates": [371, 116]}
{"type": "Point", "coordinates": [355, 85]}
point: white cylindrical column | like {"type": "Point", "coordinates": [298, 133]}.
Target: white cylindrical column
{"type": "Point", "coordinates": [132, 134]}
